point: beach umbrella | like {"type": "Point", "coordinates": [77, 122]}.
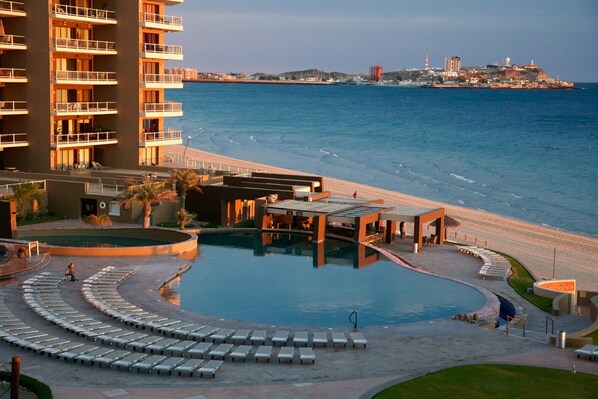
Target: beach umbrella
{"type": "Point", "coordinates": [449, 222]}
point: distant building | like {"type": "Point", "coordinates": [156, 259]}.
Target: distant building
{"type": "Point", "coordinates": [186, 73]}
{"type": "Point", "coordinates": [452, 64]}
{"type": "Point", "coordinates": [376, 72]}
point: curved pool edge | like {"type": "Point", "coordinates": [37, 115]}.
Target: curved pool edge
{"type": "Point", "coordinates": [181, 241]}
{"type": "Point", "coordinates": [489, 312]}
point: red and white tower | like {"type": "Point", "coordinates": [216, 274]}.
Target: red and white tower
{"type": "Point", "coordinates": [427, 67]}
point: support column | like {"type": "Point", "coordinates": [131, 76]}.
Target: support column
{"type": "Point", "coordinates": [319, 257]}
{"type": "Point", "coordinates": [360, 229]}
{"type": "Point", "coordinates": [417, 233]}
{"type": "Point", "coordinates": [319, 228]}
{"type": "Point", "coordinates": [391, 227]}
{"type": "Point", "coordinates": [440, 230]}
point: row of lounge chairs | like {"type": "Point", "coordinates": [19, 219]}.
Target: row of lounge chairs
{"type": "Point", "coordinates": [495, 266]}
{"type": "Point", "coordinates": [591, 351]}
{"type": "Point", "coordinates": [101, 293]}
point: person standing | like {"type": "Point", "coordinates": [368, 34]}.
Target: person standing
{"type": "Point", "coordinates": [355, 195]}
{"type": "Point", "coordinates": [70, 271]}
{"type": "Point", "coordinates": [402, 229]}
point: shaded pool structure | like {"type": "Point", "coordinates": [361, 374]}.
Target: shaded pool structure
{"type": "Point", "coordinates": [280, 279]}
{"type": "Point", "coordinates": [112, 242]}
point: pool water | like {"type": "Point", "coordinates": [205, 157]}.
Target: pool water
{"type": "Point", "coordinates": [275, 282]}
{"type": "Point", "coordinates": [76, 240]}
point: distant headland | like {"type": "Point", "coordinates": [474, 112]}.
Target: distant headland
{"type": "Point", "coordinates": [452, 76]}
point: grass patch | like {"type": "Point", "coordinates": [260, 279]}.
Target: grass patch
{"type": "Point", "coordinates": [594, 336]}
{"type": "Point", "coordinates": [521, 280]}
{"type": "Point", "coordinates": [174, 225]}
{"type": "Point", "coordinates": [32, 218]}
{"type": "Point", "coordinates": [496, 381]}
{"type": "Point", "coordinates": [210, 225]}
{"type": "Point", "coordinates": [41, 390]}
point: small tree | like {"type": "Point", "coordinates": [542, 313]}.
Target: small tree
{"type": "Point", "coordinates": [185, 180]}
{"type": "Point", "coordinates": [147, 193]}
{"type": "Point", "coordinates": [25, 194]}
{"type": "Point", "coordinates": [184, 217]}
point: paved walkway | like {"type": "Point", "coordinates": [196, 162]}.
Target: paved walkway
{"type": "Point", "coordinates": [395, 353]}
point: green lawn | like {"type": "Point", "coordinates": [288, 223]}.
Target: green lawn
{"type": "Point", "coordinates": [496, 381]}
{"type": "Point", "coordinates": [594, 336]}
{"type": "Point", "coordinates": [521, 280]}
{"type": "Point", "coordinates": [39, 218]}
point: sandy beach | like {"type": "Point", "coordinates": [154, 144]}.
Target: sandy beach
{"type": "Point", "coordinates": [532, 244]}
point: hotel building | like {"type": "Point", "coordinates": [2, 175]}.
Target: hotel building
{"type": "Point", "coordinates": [81, 85]}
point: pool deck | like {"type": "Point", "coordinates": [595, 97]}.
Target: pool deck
{"type": "Point", "coordinates": [395, 353]}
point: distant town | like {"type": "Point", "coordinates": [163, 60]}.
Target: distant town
{"type": "Point", "coordinates": [452, 76]}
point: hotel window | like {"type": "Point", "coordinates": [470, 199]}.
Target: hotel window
{"type": "Point", "coordinates": [114, 209]}
{"type": "Point", "coordinates": [149, 156]}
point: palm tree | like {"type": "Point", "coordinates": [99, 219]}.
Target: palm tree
{"type": "Point", "coordinates": [147, 193]}
{"type": "Point", "coordinates": [185, 179]}
{"type": "Point", "coordinates": [184, 217]}
{"type": "Point", "coordinates": [27, 193]}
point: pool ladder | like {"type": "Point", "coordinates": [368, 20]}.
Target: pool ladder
{"type": "Point", "coordinates": [353, 321]}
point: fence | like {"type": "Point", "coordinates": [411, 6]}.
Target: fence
{"type": "Point", "coordinates": [209, 168]}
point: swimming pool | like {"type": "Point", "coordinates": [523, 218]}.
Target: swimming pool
{"type": "Point", "coordinates": [279, 280]}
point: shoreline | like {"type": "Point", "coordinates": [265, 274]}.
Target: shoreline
{"type": "Point", "coordinates": [532, 244]}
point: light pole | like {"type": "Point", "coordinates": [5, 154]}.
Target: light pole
{"type": "Point", "coordinates": [185, 151]}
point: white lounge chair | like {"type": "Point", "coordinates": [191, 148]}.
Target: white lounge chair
{"type": "Point", "coordinates": [263, 352]}
{"type": "Point", "coordinates": [241, 336]}
{"type": "Point", "coordinates": [307, 355]}
{"type": "Point", "coordinates": [339, 338]}
{"type": "Point", "coordinates": [72, 355]}
{"type": "Point", "coordinates": [258, 336]}
{"type": "Point", "coordinates": [89, 357]}
{"type": "Point", "coordinates": [320, 337]}
{"type": "Point", "coordinates": [199, 350]}
{"type": "Point", "coordinates": [588, 350]}
{"type": "Point", "coordinates": [179, 348]}
{"type": "Point", "coordinates": [281, 337]}
{"type": "Point", "coordinates": [286, 353]}
{"type": "Point", "coordinates": [161, 346]}
{"type": "Point", "coordinates": [210, 368]}
{"type": "Point", "coordinates": [202, 333]}
{"type": "Point", "coordinates": [108, 358]}
{"type": "Point", "coordinates": [148, 363]}
{"type": "Point", "coordinates": [220, 351]}
{"type": "Point", "coordinates": [301, 338]}
{"type": "Point", "coordinates": [241, 352]}
{"type": "Point", "coordinates": [358, 339]}
{"type": "Point", "coordinates": [188, 367]}
{"type": "Point", "coordinates": [221, 335]}
{"type": "Point", "coordinates": [127, 361]}
{"type": "Point", "coordinates": [168, 365]}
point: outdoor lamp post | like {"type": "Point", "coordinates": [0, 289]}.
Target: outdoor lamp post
{"type": "Point", "coordinates": [185, 150]}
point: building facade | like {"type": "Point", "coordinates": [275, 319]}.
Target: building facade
{"type": "Point", "coordinates": [82, 86]}
{"type": "Point", "coordinates": [452, 64]}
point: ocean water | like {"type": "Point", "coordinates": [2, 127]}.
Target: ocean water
{"type": "Point", "coordinates": [532, 155]}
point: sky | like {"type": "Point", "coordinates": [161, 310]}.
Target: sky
{"type": "Point", "coordinates": [274, 36]}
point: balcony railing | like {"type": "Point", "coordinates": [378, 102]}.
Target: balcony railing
{"type": "Point", "coordinates": [163, 50]}
{"type": "Point", "coordinates": [75, 45]}
{"type": "Point", "coordinates": [165, 135]}
{"type": "Point", "coordinates": [162, 78]}
{"type": "Point", "coordinates": [13, 107]}
{"type": "Point", "coordinates": [12, 74]}
{"type": "Point", "coordinates": [74, 12]}
{"type": "Point", "coordinates": [15, 41]}
{"type": "Point", "coordinates": [98, 107]}
{"type": "Point", "coordinates": [84, 138]}
{"type": "Point", "coordinates": [84, 76]}
{"type": "Point", "coordinates": [8, 189]}
{"type": "Point", "coordinates": [166, 21]}
{"type": "Point", "coordinates": [13, 139]}
{"type": "Point", "coordinates": [111, 190]}
{"type": "Point", "coordinates": [13, 7]}
{"type": "Point", "coordinates": [169, 106]}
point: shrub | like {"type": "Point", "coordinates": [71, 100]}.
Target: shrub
{"type": "Point", "coordinates": [41, 390]}
{"type": "Point", "coordinates": [246, 223]}
{"type": "Point", "coordinates": [102, 220]}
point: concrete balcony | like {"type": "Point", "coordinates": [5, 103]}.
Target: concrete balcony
{"type": "Point", "coordinates": [13, 108]}
{"type": "Point", "coordinates": [96, 47]}
{"type": "Point", "coordinates": [162, 52]}
{"type": "Point", "coordinates": [83, 139]}
{"type": "Point", "coordinates": [161, 110]}
{"type": "Point", "coordinates": [12, 75]}
{"type": "Point", "coordinates": [13, 140]}
{"type": "Point", "coordinates": [84, 77]}
{"type": "Point", "coordinates": [165, 137]}
{"type": "Point", "coordinates": [12, 42]}
{"type": "Point", "coordinates": [172, 2]}
{"type": "Point", "coordinates": [162, 81]}
{"type": "Point", "coordinates": [83, 14]}
{"type": "Point", "coordinates": [84, 108]}
{"type": "Point", "coordinates": [163, 22]}
{"type": "Point", "coordinates": [12, 9]}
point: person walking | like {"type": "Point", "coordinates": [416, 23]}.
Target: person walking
{"type": "Point", "coordinates": [355, 195]}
